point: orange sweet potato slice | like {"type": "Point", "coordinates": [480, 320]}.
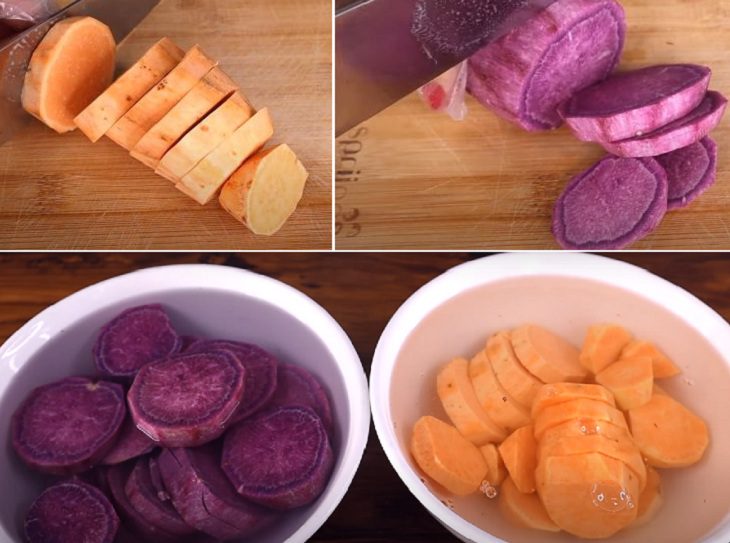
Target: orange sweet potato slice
{"type": "Point", "coordinates": [517, 381]}
{"type": "Point", "coordinates": [603, 345]}
{"type": "Point", "coordinates": [493, 398]}
{"type": "Point", "coordinates": [668, 434]}
{"type": "Point", "coordinates": [585, 427]}
{"type": "Point", "coordinates": [577, 409]}
{"type": "Point", "coordinates": [555, 393]}
{"type": "Point", "coordinates": [519, 454]}
{"type": "Point", "coordinates": [461, 405]}
{"type": "Point", "coordinates": [662, 366]}
{"type": "Point", "coordinates": [630, 380]}
{"type": "Point", "coordinates": [651, 499]}
{"type": "Point", "coordinates": [588, 495]}
{"type": "Point", "coordinates": [547, 356]}
{"type": "Point", "coordinates": [496, 470]}
{"type": "Point", "coordinates": [524, 509]}
{"type": "Point", "coordinates": [446, 457]}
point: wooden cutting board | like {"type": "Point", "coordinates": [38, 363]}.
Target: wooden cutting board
{"type": "Point", "coordinates": [414, 179]}
{"type": "Point", "coordinates": [63, 192]}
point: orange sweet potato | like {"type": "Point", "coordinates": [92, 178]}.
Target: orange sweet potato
{"type": "Point", "coordinates": [577, 409]}
{"type": "Point", "coordinates": [547, 356]}
{"type": "Point", "coordinates": [603, 345]}
{"type": "Point", "coordinates": [461, 405]}
{"type": "Point", "coordinates": [519, 454]}
{"type": "Point", "coordinates": [662, 366]}
{"type": "Point", "coordinates": [446, 457]}
{"type": "Point", "coordinates": [585, 427]}
{"type": "Point", "coordinates": [517, 381]}
{"type": "Point", "coordinates": [630, 380]}
{"type": "Point", "coordinates": [524, 509]}
{"type": "Point", "coordinates": [496, 470]}
{"type": "Point", "coordinates": [668, 434]}
{"type": "Point", "coordinates": [651, 499]}
{"type": "Point", "coordinates": [556, 393]}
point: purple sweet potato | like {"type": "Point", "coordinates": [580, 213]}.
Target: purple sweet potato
{"type": "Point", "coordinates": [187, 400]}
{"type": "Point", "coordinates": [296, 386]}
{"type": "Point", "coordinates": [134, 338]}
{"type": "Point", "coordinates": [678, 134]}
{"type": "Point", "coordinates": [690, 171]}
{"type": "Point", "coordinates": [528, 73]}
{"type": "Point", "coordinates": [205, 498]}
{"type": "Point", "coordinates": [71, 512]}
{"type": "Point", "coordinates": [280, 457]}
{"type": "Point", "coordinates": [613, 204]}
{"type": "Point", "coordinates": [261, 373]}
{"type": "Point", "coordinates": [156, 478]}
{"type": "Point", "coordinates": [68, 426]}
{"type": "Point", "coordinates": [188, 342]}
{"type": "Point", "coordinates": [630, 104]}
{"type": "Point", "coordinates": [130, 443]}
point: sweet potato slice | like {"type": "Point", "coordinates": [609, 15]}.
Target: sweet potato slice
{"type": "Point", "coordinates": [586, 427]}
{"type": "Point", "coordinates": [154, 105]}
{"type": "Point", "coordinates": [447, 457]}
{"type": "Point", "coordinates": [690, 171]}
{"type": "Point", "coordinates": [493, 398]}
{"type": "Point", "coordinates": [204, 137]}
{"type": "Point", "coordinates": [555, 393]}
{"type": "Point", "coordinates": [577, 409]}
{"type": "Point", "coordinates": [517, 381]}
{"type": "Point", "coordinates": [203, 181]}
{"type": "Point", "coordinates": [210, 91]}
{"type": "Point", "coordinates": [519, 454]}
{"type": "Point", "coordinates": [265, 191]}
{"type": "Point", "coordinates": [71, 66]}
{"type": "Point", "coordinates": [99, 116]}
{"type": "Point", "coordinates": [496, 470]}
{"type": "Point", "coordinates": [295, 386]}
{"type": "Point", "coordinates": [651, 499]}
{"type": "Point", "coordinates": [588, 495]}
{"type": "Point", "coordinates": [457, 395]}
{"type": "Point", "coordinates": [130, 443]}
{"type": "Point", "coordinates": [668, 434]}
{"type": "Point", "coordinates": [524, 509]}
{"type": "Point", "coordinates": [603, 345]}
{"type": "Point", "coordinates": [662, 366]}
{"type": "Point", "coordinates": [630, 380]}
{"type": "Point", "coordinates": [547, 356]}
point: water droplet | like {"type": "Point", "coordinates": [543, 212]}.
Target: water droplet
{"type": "Point", "coordinates": [609, 497]}
{"type": "Point", "coordinates": [488, 490]}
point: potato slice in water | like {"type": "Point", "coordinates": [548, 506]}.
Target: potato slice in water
{"type": "Point", "coordinates": [603, 345]}
{"type": "Point", "coordinates": [546, 355]}
{"type": "Point", "coordinates": [519, 453]}
{"type": "Point", "coordinates": [651, 498]}
{"type": "Point", "coordinates": [517, 381]}
{"type": "Point", "coordinates": [662, 366]}
{"type": "Point", "coordinates": [556, 393]}
{"type": "Point", "coordinates": [577, 409]}
{"type": "Point", "coordinates": [630, 380]}
{"type": "Point", "coordinates": [496, 470]}
{"type": "Point", "coordinates": [524, 509]}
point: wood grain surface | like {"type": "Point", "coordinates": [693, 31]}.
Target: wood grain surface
{"type": "Point", "coordinates": [63, 192]}
{"type": "Point", "coordinates": [362, 292]}
{"type": "Point", "coordinates": [411, 178]}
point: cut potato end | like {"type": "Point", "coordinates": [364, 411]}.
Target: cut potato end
{"type": "Point", "coordinates": [445, 456]}
{"type": "Point", "coordinates": [519, 454]}
{"type": "Point", "coordinates": [577, 409]}
{"type": "Point", "coordinates": [603, 345]}
{"type": "Point", "coordinates": [555, 393]}
{"type": "Point", "coordinates": [69, 69]}
{"type": "Point", "coordinates": [496, 470]}
{"type": "Point", "coordinates": [547, 356]}
{"type": "Point", "coordinates": [524, 509]}
{"type": "Point", "coordinates": [517, 381]}
{"type": "Point", "coordinates": [651, 498]}
{"type": "Point", "coordinates": [630, 380]}
{"type": "Point", "coordinates": [662, 366]}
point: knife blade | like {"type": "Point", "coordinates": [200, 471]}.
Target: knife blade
{"type": "Point", "coordinates": [386, 49]}
{"type": "Point", "coordinates": [15, 54]}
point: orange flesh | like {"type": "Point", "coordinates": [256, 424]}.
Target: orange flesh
{"type": "Point", "coordinates": [602, 346]}
{"type": "Point", "coordinates": [630, 380]}
{"type": "Point", "coordinates": [577, 409]}
{"type": "Point", "coordinates": [662, 366]}
{"type": "Point", "coordinates": [517, 381]}
{"type": "Point", "coordinates": [496, 470]}
{"type": "Point", "coordinates": [519, 453]}
{"type": "Point", "coordinates": [524, 509]}
{"type": "Point", "coordinates": [651, 498]}
{"type": "Point", "coordinates": [556, 393]}
{"type": "Point", "coordinates": [547, 356]}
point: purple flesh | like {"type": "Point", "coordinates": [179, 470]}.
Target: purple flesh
{"type": "Point", "coordinates": [629, 104]}
{"type": "Point", "coordinates": [71, 512]}
{"type": "Point", "coordinates": [281, 457]}
{"type": "Point", "coordinates": [68, 426]}
{"type": "Point", "coordinates": [261, 373]}
{"type": "Point", "coordinates": [681, 133]}
{"type": "Point", "coordinates": [130, 443]}
{"type": "Point", "coordinates": [133, 339]}
{"type": "Point", "coordinates": [188, 342]}
{"type": "Point", "coordinates": [612, 205]}
{"type": "Point", "coordinates": [157, 482]}
{"type": "Point", "coordinates": [528, 73]}
{"type": "Point", "coordinates": [205, 498]}
{"type": "Point", "coordinates": [187, 400]}
{"type": "Point", "coordinates": [295, 386]}
{"type": "Point", "coordinates": [691, 171]}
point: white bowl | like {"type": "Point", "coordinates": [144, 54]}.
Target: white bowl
{"type": "Point", "coordinates": [454, 314]}
{"type": "Point", "coordinates": [212, 301]}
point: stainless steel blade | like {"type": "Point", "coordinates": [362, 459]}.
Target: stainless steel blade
{"type": "Point", "coordinates": [386, 49]}
{"type": "Point", "coordinates": [121, 16]}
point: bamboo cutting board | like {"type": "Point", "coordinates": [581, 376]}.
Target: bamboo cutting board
{"type": "Point", "coordinates": [63, 192]}
{"type": "Point", "coordinates": [414, 179]}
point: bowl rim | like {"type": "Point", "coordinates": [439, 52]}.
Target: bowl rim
{"type": "Point", "coordinates": [30, 337]}
{"type": "Point", "coordinates": [496, 268]}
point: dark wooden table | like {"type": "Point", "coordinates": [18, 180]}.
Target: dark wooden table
{"type": "Point", "coordinates": [361, 291]}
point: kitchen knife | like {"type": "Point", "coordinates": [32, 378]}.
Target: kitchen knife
{"type": "Point", "coordinates": [121, 16]}
{"type": "Point", "coordinates": [386, 49]}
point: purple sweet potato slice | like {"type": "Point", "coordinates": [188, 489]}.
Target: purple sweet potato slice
{"type": "Point", "coordinates": [280, 457]}
{"type": "Point", "coordinates": [134, 338]}
{"type": "Point", "coordinates": [613, 204]}
{"type": "Point", "coordinates": [690, 171]}
{"type": "Point", "coordinates": [130, 443]}
{"type": "Point", "coordinates": [144, 498]}
{"type": "Point", "coordinates": [68, 426]}
{"type": "Point", "coordinates": [678, 134]}
{"type": "Point", "coordinates": [205, 498]}
{"type": "Point", "coordinates": [71, 512]}
{"type": "Point", "coordinates": [528, 73]}
{"type": "Point", "coordinates": [188, 342]}
{"type": "Point", "coordinates": [156, 478]}
{"type": "Point", "coordinates": [261, 373]}
{"type": "Point", "coordinates": [296, 386]}
{"type": "Point", "coordinates": [188, 399]}
{"type": "Point", "coordinates": [630, 104]}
